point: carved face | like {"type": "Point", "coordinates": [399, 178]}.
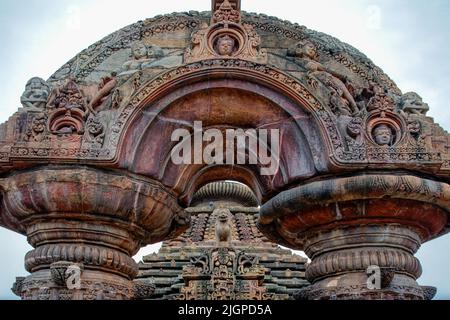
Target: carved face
{"type": "Point", "coordinates": [35, 84]}
{"type": "Point", "coordinates": [225, 46]}
{"type": "Point", "coordinates": [39, 124]}
{"type": "Point", "coordinates": [310, 50]}
{"type": "Point", "coordinates": [383, 135]}
{"type": "Point", "coordinates": [139, 51]}
{"type": "Point", "coordinates": [222, 215]}
{"type": "Point", "coordinates": [95, 128]}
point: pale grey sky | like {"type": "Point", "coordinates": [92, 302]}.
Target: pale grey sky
{"type": "Point", "coordinates": [409, 39]}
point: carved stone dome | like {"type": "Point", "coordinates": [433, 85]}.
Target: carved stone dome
{"type": "Point", "coordinates": [170, 35]}
{"type": "Point", "coordinates": [225, 191]}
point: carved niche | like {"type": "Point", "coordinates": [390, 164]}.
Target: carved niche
{"type": "Point", "coordinates": [226, 37]}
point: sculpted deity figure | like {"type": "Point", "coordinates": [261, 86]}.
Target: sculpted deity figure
{"type": "Point", "coordinates": [306, 53]}
{"type": "Point", "coordinates": [142, 56]}
{"type": "Point", "coordinates": [412, 103]}
{"type": "Point", "coordinates": [36, 94]}
{"type": "Point", "coordinates": [223, 228]}
{"type": "Point", "coordinates": [383, 135]}
{"type": "Point", "coordinates": [225, 45]}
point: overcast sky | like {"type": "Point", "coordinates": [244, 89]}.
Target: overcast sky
{"type": "Point", "coordinates": [409, 39]}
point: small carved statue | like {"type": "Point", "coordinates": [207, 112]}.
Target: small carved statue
{"type": "Point", "coordinates": [412, 103]}
{"type": "Point", "coordinates": [142, 56]}
{"type": "Point", "coordinates": [36, 94]}
{"type": "Point", "coordinates": [68, 96]}
{"type": "Point", "coordinates": [306, 53]}
{"type": "Point", "coordinates": [225, 45]}
{"type": "Point", "coordinates": [223, 227]}
{"type": "Point", "coordinates": [37, 131]}
{"type": "Point", "coordinates": [383, 135]}
{"type": "Point", "coordinates": [95, 133]}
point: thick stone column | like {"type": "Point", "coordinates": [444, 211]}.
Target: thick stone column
{"type": "Point", "coordinates": [361, 233]}
{"type": "Point", "coordinates": [85, 225]}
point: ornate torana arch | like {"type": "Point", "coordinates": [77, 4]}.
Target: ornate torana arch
{"type": "Point", "coordinates": [87, 176]}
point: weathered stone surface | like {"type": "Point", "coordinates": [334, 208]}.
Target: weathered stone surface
{"type": "Point", "coordinates": [86, 170]}
{"type": "Point", "coordinates": [260, 270]}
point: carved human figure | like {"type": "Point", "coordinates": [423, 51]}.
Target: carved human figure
{"type": "Point", "coordinates": [223, 227]}
{"type": "Point", "coordinates": [36, 133]}
{"type": "Point", "coordinates": [306, 53]}
{"type": "Point", "coordinates": [36, 94]}
{"type": "Point", "coordinates": [383, 135]}
{"type": "Point", "coordinates": [142, 56]}
{"type": "Point", "coordinates": [412, 103]}
{"type": "Point", "coordinates": [225, 45]}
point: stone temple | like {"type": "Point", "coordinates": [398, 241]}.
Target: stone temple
{"type": "Point", "coordinates": [87, 170]}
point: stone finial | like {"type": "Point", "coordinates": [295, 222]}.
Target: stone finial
{"type": "Point", "coordinates": [226, 37]}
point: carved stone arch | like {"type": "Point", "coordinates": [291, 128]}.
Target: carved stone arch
{"type": "Point", "coordinates": [163, 97]}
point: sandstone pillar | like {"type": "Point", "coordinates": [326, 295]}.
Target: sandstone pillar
{"type": "Point", "coordinates": [361, 233]}
{"type": "Point", "coordinates": [85, 225]}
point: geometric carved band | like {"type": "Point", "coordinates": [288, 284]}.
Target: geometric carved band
{"type": "Point", "coordinates": [333, 263]}
{"type": "Point", "coordinates": [92, 257]}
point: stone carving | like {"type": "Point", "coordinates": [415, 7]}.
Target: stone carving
{"type": "Point", "coordinates": [196, 244]}
{"type": "Point", "coordinates": [60, 272]}
{"type": "Point", "coordinates": [143, 289]}
{"type": "Point", "coordinates": [68, 109]}
{"type": "Point", "coordinates": [227, 37]}
{"type": "Point", "coordinates": [226, 13]}
{"type": "Point", "coordinates": [122, 194]}
{"type": "Point", "coordinates": [95, 133]}
{"type": "Point", "coordinates": [383, 135]}
{"type": "Point", "coordinates": [142, 56]}
{"type": "Point", "coordinates": [36, 94]}
{"type": "Point", "coordinates": [37, 129]}
{"type": "Point", "coordinates": [305, 53]}
{"type": "Point", "coordinates": [17, 287]}
{"type": "Point", "coordinates": [223, 228]}
{"type": "Point", "coordinates": [216, 278]}
{"type": "Point", "coordinates": [104, 96]}
{"type": "Point", "coordinates": [412, 103]}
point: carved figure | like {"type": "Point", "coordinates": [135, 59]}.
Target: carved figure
{"type": "Point", "coordinates": [37, 131]}
{"type": "Point", "coordinates": [383, 135]}
{"type": "Point", "coordinates": [36, 94]}
{"type": "Point", "coordinates": [223, 228]}
{"type": "Point", "coordinates": [412, 103]}
{"type": "Point", "coordinates": [225, 45]}
{"type": "Point", "coordinates": [68, 96]}
{"type": "Point", "coordinates": [142, 56]}
{"type": "Point", "coordinates": [306, 53]}
{"type": "Point", "coordinates": [95, 133]}
{"type": "Point", "coordinates": [106, 86]}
